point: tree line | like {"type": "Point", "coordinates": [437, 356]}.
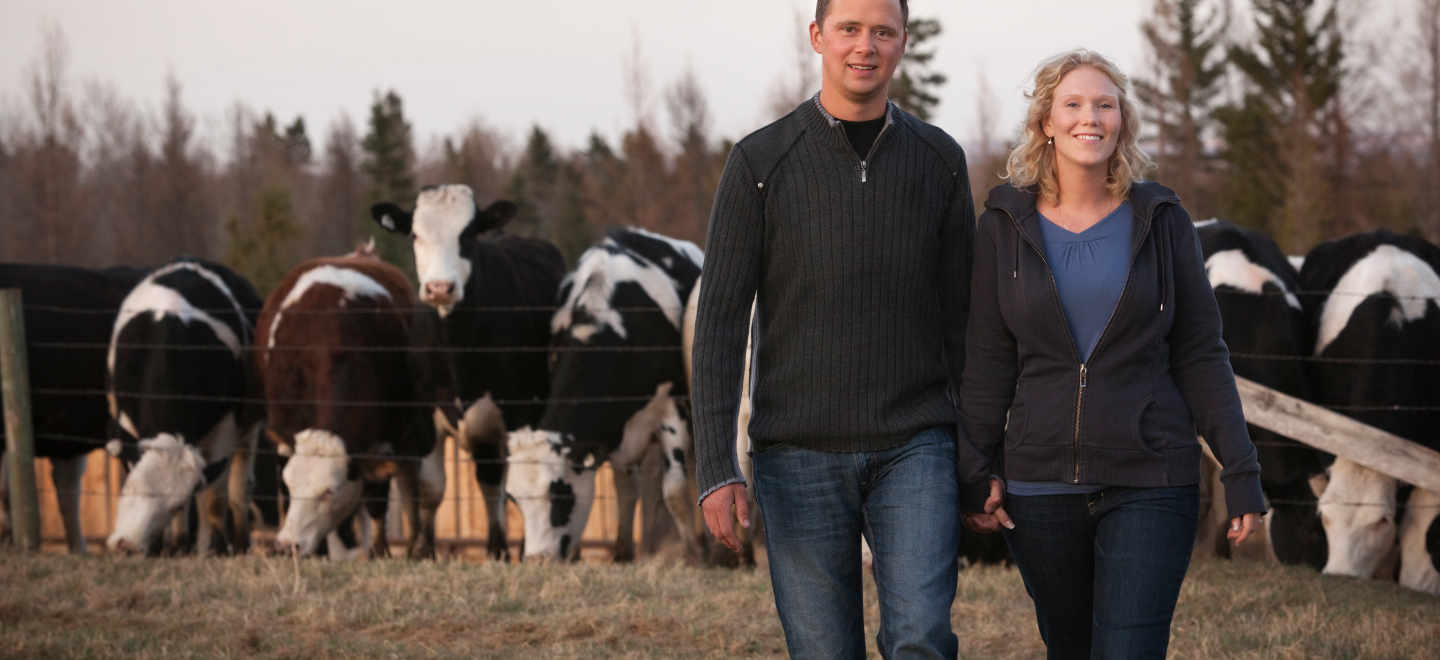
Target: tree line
{"type": "Point", "coordinates": [1302, 127]}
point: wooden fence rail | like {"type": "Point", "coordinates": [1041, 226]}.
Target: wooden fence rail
{"type": "Point", "coordinates": [1342, 436]}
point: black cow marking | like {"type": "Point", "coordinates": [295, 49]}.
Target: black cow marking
{"type": "Point", "coordinates": [562, 506]}
{"type": "Point", "coordinates": [1432, 542]}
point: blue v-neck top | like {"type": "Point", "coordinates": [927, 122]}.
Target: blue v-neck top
{"type": "Point", "coordinates": [1090, 269]}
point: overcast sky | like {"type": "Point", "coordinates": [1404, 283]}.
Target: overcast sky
{"type": "Point", "coordinates": [511, 64]}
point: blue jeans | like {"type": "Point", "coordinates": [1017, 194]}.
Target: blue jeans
{"type": "Point", "coordinates": [1104, 569]}
{"type": "Point", "coordinates": [817, 504]}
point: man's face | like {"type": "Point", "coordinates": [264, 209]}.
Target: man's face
{"type": "Point", "coordinates": [860, 44]}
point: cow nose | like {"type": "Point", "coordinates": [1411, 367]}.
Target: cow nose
{"type": "Point", "coordinates": [441, 290]}
{"type": "Point", "coordinates": [124, 546]}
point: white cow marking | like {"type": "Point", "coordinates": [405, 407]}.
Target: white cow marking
{"type": "Point", "coordinates": [148, 296]}
{"type": "Point", "coordinates": [352, 283]}
{"type": "Point", "coordinates": [1357, 510]}
{"type": "Point", "coordinates": [1389, 269]}
{"type": "Point", "coordinates": [441, 215]}
{"type": "Point", "coordinates": [595, 280]}
{"type": "Point", "coordinates": [1232, 268]}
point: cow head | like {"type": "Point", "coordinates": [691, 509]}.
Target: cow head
{"type": "Point", "coordinates": [445, 220]}
{"type": "Point", "coordinates": [1358, 512]}
{"type": "Point", "coordinates": [554, 489]}
{"type": "Point", "coordinates": [159, 485]}
{"type": "Point", "coordinates": [323, 490]}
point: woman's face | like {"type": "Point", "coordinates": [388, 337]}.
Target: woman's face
{"type": "Point", "coordinates": [1084, 119]}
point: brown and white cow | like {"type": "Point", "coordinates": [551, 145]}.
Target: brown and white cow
{"type": "Point", "coordinates": [350, 400]}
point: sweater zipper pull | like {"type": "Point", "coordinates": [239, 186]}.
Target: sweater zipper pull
{"type": "Point", "coordinates": [864, 168]}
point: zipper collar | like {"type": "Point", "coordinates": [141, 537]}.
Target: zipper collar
{"type": "Point", "coordinates": [839, 140]}
{"type": "Point", "coordinates": [1146, 198]}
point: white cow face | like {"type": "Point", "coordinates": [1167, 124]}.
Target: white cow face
{"type": "Point", "coordinates": [553, 491]}
{"type": "Point", "coordinates": [445, 221]}
{"type": "Point", "coordinates": [1358, 512]}
{"type": "Point", "coordinates": [321, 492]}
{"type": "Point", "coordinates": [159, 485]}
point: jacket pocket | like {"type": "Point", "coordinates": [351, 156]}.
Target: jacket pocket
{"type": "Point", "coordinates": [1015, 422]}
{"type": "Point", "coordinates": [1165, 422]}
{"type": "Point", "coordinates": [1145, 431]}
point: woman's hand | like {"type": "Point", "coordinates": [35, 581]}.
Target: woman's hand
{"type": "Point", "coordinates": [995, 516]}
{"type": "Point", "coordinates": [1241, 528]}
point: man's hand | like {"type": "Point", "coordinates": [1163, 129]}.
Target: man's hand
{"type": "Point", "coordinates": [721, 508]}
{"type": "Point", "coordinates": [995, 516]}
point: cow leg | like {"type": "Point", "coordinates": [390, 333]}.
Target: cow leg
{"type": "Point", "coordinates": [485, 438]}
{"type": "Point", "coordinates": [66, 474]}
{"type": "Point", "coordinates": [679, 486]}
{"type": "Point", "coordinates": [210, 508]}
{"type": "Point", "coordinates": [626, 495]}
{"type": "Point", "coordinates": [239, 484]}
{"type": "Point", "coordinates": [422, 486]}
{"type": "Point", "coordinates": [1418, 563]}
{"type": "Point", "coordinates": [376, 496]}
{"type": "Point", "coordinates": [4, 495]}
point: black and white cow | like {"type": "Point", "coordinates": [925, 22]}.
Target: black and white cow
{"type": "Point", "coordinates": [1382, 310]}
{"type": "Point", "coordinates": [181, 392]}
{"type": "Point", "coordinates": [494, 295]}
{"type": "Point", "coordinates": [68, 314]}
{"type": "Point", "coordinates": [617, 370]}
{"type": "Point", "coordinates": [349, 400]}
{"type": "Point", "coordinates": [1257, 290]}
{"type": "Point", "coordinates": [717, 553]}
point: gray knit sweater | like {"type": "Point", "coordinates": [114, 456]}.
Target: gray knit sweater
{"type": "Point", "coordinates": [860, 270]}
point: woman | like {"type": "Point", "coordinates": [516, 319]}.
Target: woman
{"type": "Point", "coordinates": [1093, 327]}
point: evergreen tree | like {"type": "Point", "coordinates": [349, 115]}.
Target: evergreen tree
{"type": "Point", "coordinates": [533, 185]}
{"type": "Point", "coordinates": [1286, 140]}
{"type": "Point", "coordinates": [916, 84]}
{"type": "Point", "coordinates": [297, 144]}
{"type": "Point", "coordinates": [389, 164]}
{"type": "Point", "coordinates": [1189, 59]}
{"type": "Point", "coordinates": [261, 247]}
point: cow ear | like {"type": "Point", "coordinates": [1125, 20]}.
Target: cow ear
{"type": "Point", "coordinates": [391, 217]}
{"type": "Point", "coordinates": [496, 215]}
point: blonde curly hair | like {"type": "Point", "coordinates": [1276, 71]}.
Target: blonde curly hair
{"type": "Point", "coordinates": [1032, 161]}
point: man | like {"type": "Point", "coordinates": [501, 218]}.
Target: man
{"type": "Point", "coordinates": [850, 223]}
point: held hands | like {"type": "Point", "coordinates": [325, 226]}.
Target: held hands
{"type": "Point", "coordinates": [721, 508]}
{"type": "Point", "coordinates": [1242, 527]}
{"type": "Point", "coordinates": [995, 516]}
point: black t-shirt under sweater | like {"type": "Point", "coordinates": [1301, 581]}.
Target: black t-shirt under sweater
{"type": "Point", "coordinates": [862, 134]}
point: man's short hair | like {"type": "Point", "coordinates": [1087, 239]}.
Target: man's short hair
{"type": "Point", "coordinates": [822, 7]}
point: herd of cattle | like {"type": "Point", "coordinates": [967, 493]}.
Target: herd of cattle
{"type": "Point", "coordinates": [543, 376]}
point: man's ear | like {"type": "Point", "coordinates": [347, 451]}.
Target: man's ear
{"type": "Point", "coordinates": [391, 217]}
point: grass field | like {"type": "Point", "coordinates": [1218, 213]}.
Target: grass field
{"type": "Point", "coordinates": [275, 607]}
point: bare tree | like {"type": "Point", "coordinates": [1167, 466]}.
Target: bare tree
{"type": "Point", "coordinates": [801, 82]}
{"type": "Point", "coordinates": [48, 175]}
{"type": "Point", "coordinates": [697, 166]}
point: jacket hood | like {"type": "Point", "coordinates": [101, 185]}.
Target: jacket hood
{"type": "Point", "coordinates": [1145, 196]}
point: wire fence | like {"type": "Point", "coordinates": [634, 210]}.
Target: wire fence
{"type": "Point", "coordinates": [640, 351]}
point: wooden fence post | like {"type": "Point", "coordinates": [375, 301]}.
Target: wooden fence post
{"type": "Point", "coordinates": [1340, 435]}
{"type": "Point", "coordinates": [20, 441]}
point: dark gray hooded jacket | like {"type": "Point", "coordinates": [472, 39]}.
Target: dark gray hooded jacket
{"type": "Point", "coordinates": [1159, 372]}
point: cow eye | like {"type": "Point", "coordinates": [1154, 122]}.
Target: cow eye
{"type": "Point", "coordinates": [326, 495]}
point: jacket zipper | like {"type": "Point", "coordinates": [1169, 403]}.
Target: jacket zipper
{"type": "Point", "coordinates": [1079, 405]}
{"type": "Point", "coordinates": [1055, 290]}
{"type": "Point", "coordinates": [865, 162]}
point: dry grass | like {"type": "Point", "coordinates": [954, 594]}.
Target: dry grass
{"type": "Point", "coordinates": [60, 606]}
